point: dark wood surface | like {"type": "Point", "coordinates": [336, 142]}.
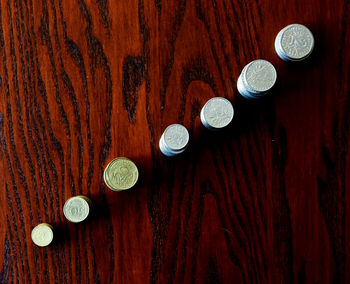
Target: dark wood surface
{"type": "Point", "coordinates": [265, 201]}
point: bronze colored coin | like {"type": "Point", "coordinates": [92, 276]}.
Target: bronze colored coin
{"type": "Point", "coordinates": [121, 174]}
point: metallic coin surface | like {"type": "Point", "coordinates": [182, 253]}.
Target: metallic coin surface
{"type": "Point", "coordinates": [165, 150]}
{"type": "Point", "coordinates": [243, 91]}
{"type": "Point", "coordinates": [176, 136]}
{"type": "Point", "coordinates": [259, 76]}
{"type": "Point", "coordinates": [76, 209]}
{"type": "Point", "coordinates": [42, 235]}
{"type": "Point", "coordinates": [295, 41]}
{"type": "Point", "coordinates": [217, 112]}
{"type": "Point", "coordinates": [121, 174]}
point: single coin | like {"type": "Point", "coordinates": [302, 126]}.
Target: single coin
{"type": "Point", "coordinates": [217, 113]}
{"type": "Point", "coordinates": [294, 43]}
{"type": "Point", "coordinates": [77, 208]}
{"type": "Point", "coordinates": [259, 76]}
{"type": "Point", "coordinates": [42, 235]}
{"type": "Point", "coordinates": [121, 174]}
{"type": "Point", "coordinates": [176, 137]}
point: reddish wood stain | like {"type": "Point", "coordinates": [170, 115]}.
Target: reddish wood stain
{"type": "Point", "coordinates": [265, 201]}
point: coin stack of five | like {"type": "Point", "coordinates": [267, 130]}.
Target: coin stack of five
{"type": "Point", "coordinates": [217, 113]}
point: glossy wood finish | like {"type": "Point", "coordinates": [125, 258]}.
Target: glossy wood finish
{"type": "Point", "coordinates": [265, 201]}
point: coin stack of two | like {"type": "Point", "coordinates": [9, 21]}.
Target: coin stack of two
{"type": "Point", "coordinates": [76, 209]}
{"type": "Point", "coordinates": [256, 79]}
{"type": "Point", "coordinates": [174, 140]}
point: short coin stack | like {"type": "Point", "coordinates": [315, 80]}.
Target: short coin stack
{"type": "Point", "coordinates": [174, 140]}
{"type": "Point", "coordinates": [42, 235]}
{"type": "Point", "coordinates": [77, 208]}
{"type": "Point", "coordinates": [256, 79]}
{"type": "Point", "coordinates": [217, 113]}
{"type": "Point", "coordinates": [294, 43]}
{"type": "Point", "coordinates": [121, 174]}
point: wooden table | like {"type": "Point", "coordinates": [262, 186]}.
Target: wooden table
{"type": "Point", "coordinates": [265, 201]}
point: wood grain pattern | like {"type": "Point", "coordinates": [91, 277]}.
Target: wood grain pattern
{"type": "Point", "coordinates": [84, 81]}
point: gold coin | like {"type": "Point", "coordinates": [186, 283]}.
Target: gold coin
{"type": "Point", "coordinates": [77, 208]}
{"type": "Point", "coordinates": [120, 174]}
{"type": "Point", "coordinates": [42, 235]}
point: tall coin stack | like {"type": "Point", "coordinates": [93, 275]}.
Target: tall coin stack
{"type": "Point", "coordinates": [217, 113]}
{"type": "Point", "coordinates": [174, 140]}
{"type": "Point", "coordinates": [294, 43]}
{"type": "Point", "coordinates": [256, 79]}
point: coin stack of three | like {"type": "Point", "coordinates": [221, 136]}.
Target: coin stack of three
{"type": "Point", "coordinates": [121, 174]}
{"type": "Point", "coordinates": [174, 140]}
{"type": "Point", "coordinates": [256, 79]}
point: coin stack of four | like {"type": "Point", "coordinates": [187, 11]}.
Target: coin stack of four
{"type": "Point", "coordinates": [256, 79]}
{"type": "Point", "coordinates": [174, 140]}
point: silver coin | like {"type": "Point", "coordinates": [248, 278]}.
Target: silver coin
{"type": "Point", "coordinates": [243, 91]}
{"type": "Point", "coordinates": [259, 76]}
{"type": "Point", "coordinates": [166, 151]}
{"type": "Point", "coordinates": [76, 209]}
{"type": "Point", "coordinates": [294, 43]}
{"type": "Point", "coordinates": [217, 113]}
{"type": "Point", "coordinates": [245, 83]}
{"type": "Point", "coordinates": [176, 137]}
{"type": "Point", "coordinates": [42, 235]}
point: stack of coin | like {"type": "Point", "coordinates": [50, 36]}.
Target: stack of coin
{"type": "Point", "coordinates": [121, 174]}
{"type": "Point", "coordinates": [256, 79]}
{"type": "Point", "coordinates": [217, 113]}
{"type": "Point", "coordinates": [174, 140]}
{"type": "Point", "coordinates": [294, 43]}
{"type": "Point", "coordinates": [42, 234]}
{"type": "Point", "coordinates": [77, 208]}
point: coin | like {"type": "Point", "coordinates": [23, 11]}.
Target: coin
{"type": "Point", "coordinates": [121, 174]}
{"type": "Point", "coordinates": [294, 43]}
{"type": "Point", "coordinates": [42, 235]}
{"type": "Point", "coordinates": [77, 208]}
{"type": "Point", "coordinates": [166, 150]}
{"type": "Point", "coordinates": [243, 91]}
{"type": "Point", "coordinates": [217, 113]}
{"type": "Point", "coordinates": [259, 76]}
{"type": "Point", "coordinates": [176, 137]}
